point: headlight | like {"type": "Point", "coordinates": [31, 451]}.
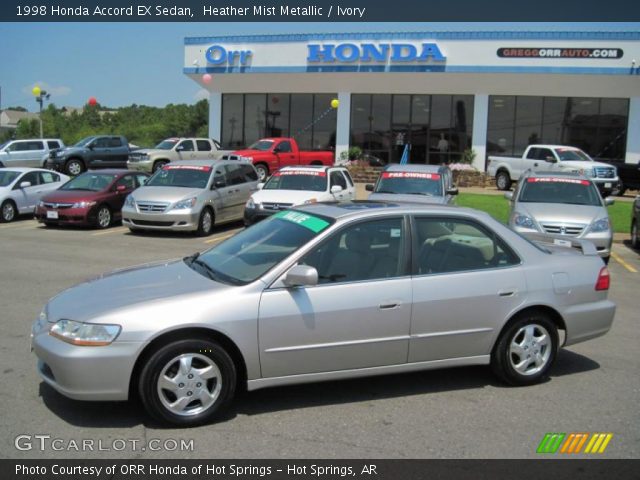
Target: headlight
{"type": "Point", "coordinates": [246, 159]}
{"type": "Point", "coordinates": [189, 203]}
{"type": "Point", "coordinates": [84, 334]}
{"type": "Point", "coordinates": [129, 201]}
{"type": "Point", "coordinates": [250, 204]}
{"type": "Point", "coordinates": [524, 221]}
{"type": "Point", "coordinates": [83, 204]}
{"type": "Point", "coordinates": [601, 225]}
{"type": "Point", "coordinates": [587, 172]}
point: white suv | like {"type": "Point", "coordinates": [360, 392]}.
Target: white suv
{"type": "Point", "coordinates": [31, 152]}
{"type": "Point", "coordinates": [297, 185]}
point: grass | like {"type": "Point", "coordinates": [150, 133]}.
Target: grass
{"type": "Point", "coordinates": [498, 207]}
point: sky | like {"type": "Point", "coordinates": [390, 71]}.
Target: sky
{"type": "Point", "coordinates": [125, 63]}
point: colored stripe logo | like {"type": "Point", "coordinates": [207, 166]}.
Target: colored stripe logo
{"type": "Point", "coordinates": [573, 443]}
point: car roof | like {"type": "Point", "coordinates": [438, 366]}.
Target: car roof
{"type": "Point", "coordinates": [363, 208]}
{"type": "Point", "coordinates": [414, 167]}
{"type": "Point", "coordinates": [546, 145]}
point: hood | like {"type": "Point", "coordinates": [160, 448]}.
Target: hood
{"type": "Point", "coordinates": [251, 153]}
{"type": "Point", "coordinates": [147, 151]}
{"type": "Point", "coordinates": [295, 197]}
{"type": "Point", "coordinates": [72, 149]}
{"type": "Point", "coordinates": [128, 287]}
{"type": "Point", "coordinates": [581, 165]}
{"type": "Point", "coordinates": [165, 194]}
{"type": "Point", "coordinates": [561, 213]}
{"type": "Point", "coordinates": [71, 196]}
{"type": "Point", "coordinates": [404, 198]}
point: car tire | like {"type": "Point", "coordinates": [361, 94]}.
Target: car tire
{"type": "Point", "coordinates": [205, 223]}
{"type": "Point", "coordinates": [619, 190]}
{"type": "Point", "coordinates": [526, 349]}
{"type": "Point", "coordinates": [8, 211]}
{"type": "Point", "coordinates": [158, 165]}
{"type": "Point", "coordinates": [74, 167]}
{"type": "Point", "coordinates": [174, 374]}
{"type": "Point", "coordinates": [263, 172]}
{"type": "Point", "coordinates": [503, 180]}
{"type": "Point", "coordinates": [635, 241]}
{"type": "Point", "coordinates": [103, 217]}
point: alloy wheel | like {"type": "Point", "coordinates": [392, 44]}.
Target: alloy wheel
{"type": "Point", "coordinates": [104, 217]}
{"type": "Point", "coordinates": [530, 349]}
{"type": "Point", "coordinates": [8, 212]}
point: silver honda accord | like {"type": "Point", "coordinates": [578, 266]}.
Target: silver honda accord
{"type": "Point", "coordinates": [323, 292]}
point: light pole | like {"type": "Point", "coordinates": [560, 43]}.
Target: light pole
{"type": "Point", "coordinates": [41, 96]}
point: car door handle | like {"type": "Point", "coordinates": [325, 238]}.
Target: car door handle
{"type": "Point", "coordinates": [508, 292]}
{"type": "Point", "coordinates": [389, 306]}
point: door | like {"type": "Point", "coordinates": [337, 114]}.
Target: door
{"type": "Point", "coordinates": [49, 181]}
{"type": "Point", "coordinates": [237, 190]}
{"type": "Point", "coordinates": [358, 315]}
{"type": "Point", "coordinates": [100, 150]}
{"type": "Point", "coordinates": [536, 160]}
{"type": "Point", "coordinates": [466, 282]}
{"type": "Point", "coordinates": [186, 150]}
{"type": "Point", "coordinates": [27, 197]}
{"type": "Point", "coordinates": [221, 195]}
{"type": "Point", "coordinates": [337, 179]}
{"type": "Point", "coordinates": [118, 153]}
{"type": "Point", "coordinates": [285, 155]}
{"type": "Point", "coordinates": [123, 187]}
{"type": "Point", "coordinates": [34, 153]}
{"type": "Point", "coordinates": [204, 150]}
{"type": "Point", "coordinates": [17, 154]}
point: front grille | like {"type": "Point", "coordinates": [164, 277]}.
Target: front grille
{"type": "Point", "coordinates": [151, 207]}
{"type": "Point", "coordinates": [560, 229]}
{"type": "Point", "coordinates": [276, 206]}
{"type": "Point", "coordinates": [231, 157]}
{"type": "Point", "coordinates": [604, 172]}
{"type": "Point", "coordinates": [136, 157]}
{"type": "Point", "coordinates": [149, 223]}
{"type": "Point", "coordinates": [58, 206]}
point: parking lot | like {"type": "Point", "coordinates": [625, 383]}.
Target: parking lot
{"type": "Point", "coordinates": [457, 413]}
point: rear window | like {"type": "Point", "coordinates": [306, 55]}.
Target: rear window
{"type": "Point", "coordinates": [572, 191]}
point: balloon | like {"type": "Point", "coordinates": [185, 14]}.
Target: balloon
{"type": "Point", "coordinates": [335, 103]}
{"type": "Point", "coordinates": [36, 91]}
{"type": "Point", "coordinates": [92, 101]}
{"type": "Point", "coordinates": [206, 78]}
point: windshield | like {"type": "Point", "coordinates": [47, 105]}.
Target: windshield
{"type": "Point", "coordinates": [2, 145]}
{"type": "Point", "coordinates": [187, 176]}
{"type": "Point", "coordinates": [262, 145]}
{"type": "Point", "coordinates": [315, 181]}
{"type": "Point", "coordinates": [167, 144]}
{"type": "Point", "coordinates": [7, 177]}
{"type": "Point", "coordinates": [89, 181]}
{"type": "Point", "coordinates": [84, 142]}
{"type": "Point", "coordinates": [571, 191]}
{"type": "Point", "coordinates": [565, 154]}
{"type": "Point", "coordinates": [251, 253]}
{"type": "Point", "coordinates": [414, 183]}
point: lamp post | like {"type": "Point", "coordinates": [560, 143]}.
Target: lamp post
{"type": "Point", "coordinates": [41, 96]}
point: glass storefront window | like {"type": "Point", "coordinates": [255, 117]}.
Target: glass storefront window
{"type": "Point", "coordinates": [528, 123]}
{"type": "Point", "coordinates": [500, 128]}
{"type": "Point", "coordinates": [232, 116]}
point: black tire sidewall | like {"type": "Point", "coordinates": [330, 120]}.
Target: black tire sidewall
{"type": "Point", "coordinates": [72, 161]}
{"type": "Point", "coordinates": [15, 211]}
{"type": "Point", "coordinates": [507, 183]}
{"type": "Point", "coordinates": [157, 361]}
{"type": "Point", "coordinates": [158, 165]}
{"type": "Point", "coordinates": [265, 169]}
{"type": "Point", "coordinates": [635, 241]}
{"type": "Point", "coordinates": [500, 362]}
{"type": "Point", "coordinates": [201, 232]}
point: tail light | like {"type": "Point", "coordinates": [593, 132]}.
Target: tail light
{"type": "Point", "coordinates": [604, 279]}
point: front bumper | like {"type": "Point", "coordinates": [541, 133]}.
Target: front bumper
{"type": "Point", "coordinates": [605, 185]}
{"type": "Point", "coordinates": [140, 166]}
{"type": "Point", "coordinates": [86, 373]}
{"type": "Point", "coordinates": [173, 220]}
{"type": "Point", "coordinates": [56, 164]}
{"type": "Point", "coordinates": [66, 216]}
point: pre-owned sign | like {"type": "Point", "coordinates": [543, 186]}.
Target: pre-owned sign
{"type": "Point", "coordinates": [555, 52]}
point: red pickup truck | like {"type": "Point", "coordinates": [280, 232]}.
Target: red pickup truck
{"type": "Point", "coordinates": [270, 154]}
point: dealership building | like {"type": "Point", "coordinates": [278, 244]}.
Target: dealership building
{"type": "Point", "coordinates": [445, 94]}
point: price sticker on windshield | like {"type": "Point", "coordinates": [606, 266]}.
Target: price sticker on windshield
{"type": "Point", "coordinates": [312, 173]}
{"type": "Point", "coordinates": [425, 176]}
{"type": "Point", "coordinates": [314, 224]}
{"type": "Point", "coordinates": [574, 181]}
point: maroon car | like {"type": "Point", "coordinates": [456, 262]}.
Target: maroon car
{"type": "Point", "coordinates": [92, 198]}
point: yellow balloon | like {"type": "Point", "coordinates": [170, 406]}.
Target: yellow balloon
{"type": "Point", "coordinates": [36, 91]}
{"type": "Point", "coordinates": [335, 103]}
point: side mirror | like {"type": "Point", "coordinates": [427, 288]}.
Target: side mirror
{"type": "Point", "coordinates": [336, 189]}
{"type": "Point", "coordinates": [91, 146]}
{"type": "Point", "coordinates": [121, 188]}
{"type": "Point", "coordinates": [369, 187]}
{"type": "Point", "coordinates": [301, 276]}
{"type": "Point", "coordinates": [219, 184]}
{"type": "Point", "coordinates": [550, 159]}
{"type": "Point", "coordinates": [276, 150]}
{"type": "Point", "coordinates": [609, 201]}
{"type": "Point", "coordinates": [260, 186]}
{"type": "Point", "coordinates": [452, 191]}
{"type": "Point", "coordinates": [25, 184]}
{"type": "Point", "coordinates": [179, 148]}
{"type": "Point", "coordinates": [508, 196]}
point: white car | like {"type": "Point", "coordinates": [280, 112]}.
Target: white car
{"type": "Point", "coordinates": [22, 188]}
{"type": "Point", "coordinates": [297, 185]}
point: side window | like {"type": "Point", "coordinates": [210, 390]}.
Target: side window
{"type": "Point", "coordinates": [128, 181]}
{"type": "Point", "coordinates": [448, 245]}
{"type": "Point", "coordinates": [187, 145]}
{"type": "Point", "coordinates": [371, 250]}
{"type": "Point", "coordinates": [48, 177]}
{"type": "Point", "coordinates": [31, 177]}
{"type": "Point", "coordinates": [35, 146]}
{"type": "Point", "coordinates": [284, 147]}
{"type": "Point", "coordinates": [234, 175]}
{"type": "Point", "coordinates": [141, 180]}
{"type": "Point", "coordinates": [337, 179]}
{"type": "Point", "coordinates": [19, 147]}
{"type": "Point", "coordinates": [219, 179]}
{"type": "Point", "coordinates": [115, 142]}
{"type": "Point", "coordinates": [533, 154]}
{"type": "Point", "coordinates": [52, 144]}
{"type": "Point", "coordinates": [203, 145]}
{"type": "Point", "coordinates": [544, 153]}
{"type": "Point", "coordinates": [348, 176]}
{"type": "Point", "coordinates": [250, 174]}
{"type": "Point", "coordinates": [102, 142]}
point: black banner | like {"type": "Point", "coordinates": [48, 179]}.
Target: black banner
{"type": "Point", "coordinates": [318, 11]}
{"type": "Point", "coordinates": [325, 469]}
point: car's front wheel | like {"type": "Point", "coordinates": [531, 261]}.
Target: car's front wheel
{"type": "Point", "coordinates": [526, 349]}
{"type": "Point", "coordinates": [187, 382]}
{"type": "Point", "coordinates": [206, 222]}
{"type": "Point", "coordinates": [263, 172]}
{"type": "Point", "coordinates": [635, 241]}
{"type": "Point", "coordinates": [74, 167]}
{"type": "Point", "coordinates": [8, 211]}
{"type": "Point", "coordinates": [103, 217]}
{"type": "Point", "coordinates": [158, 165]}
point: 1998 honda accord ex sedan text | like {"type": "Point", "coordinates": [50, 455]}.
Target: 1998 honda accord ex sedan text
{"type": "Point", "coordinates": [323, 292]}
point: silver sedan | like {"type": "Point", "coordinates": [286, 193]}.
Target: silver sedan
{"type": "Point", "coordinates": [323, 292]}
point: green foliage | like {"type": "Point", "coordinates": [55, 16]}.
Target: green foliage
{"type": "Point", "coordinates": [354, 153]}
{"type": "Point", "coordinates": [142, 125]}
{"type": "Point", "coordinates": [468, 156]}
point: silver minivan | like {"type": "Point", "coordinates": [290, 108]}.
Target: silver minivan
{"type": "Point", "coordinates": [191, 196]}
{"type": "Point", "coordinates": [31, 152]}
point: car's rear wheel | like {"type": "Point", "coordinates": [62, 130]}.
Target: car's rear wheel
{"type": "Point", "coordinates": [503, 180]}
{"type": "Point", "coordinates": [635, 241]}
{"type": "Point", "coordinates": [206, 222]}
{"type": "Point", "coordinates": [74, 167]}
{"type": "Point", "coordinates": [263, 172]}
{"type": "Point", "coordinates": [187, 382]}
{"type": "Point", "coordinates": [526, 349]}
{"type": "Point", "coordinates": [103, 217]}
{"type": "Point", "coordinates": [158, 165]}
{"type": "Point", "coordinates": [8, 211]}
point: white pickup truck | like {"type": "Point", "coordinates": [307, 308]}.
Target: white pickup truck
{"type": "Point", "coordinates": [550, 158]}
